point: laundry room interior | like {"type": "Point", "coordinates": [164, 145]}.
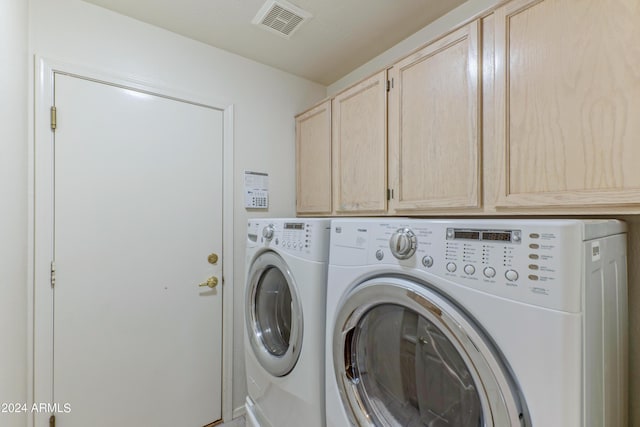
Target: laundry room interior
{"type": "Point", "coordinates": [403, 121]}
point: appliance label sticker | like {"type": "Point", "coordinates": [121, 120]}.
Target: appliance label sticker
{"type": "Point", "coordinates": [595, 251]}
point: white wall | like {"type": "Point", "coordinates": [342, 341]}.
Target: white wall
{"type": "Point", "coordinates": [13, 213]}
{"type": "Point", "coordinates": [265, 102]}
{"type": "Point", "coordinates": [432, 31]}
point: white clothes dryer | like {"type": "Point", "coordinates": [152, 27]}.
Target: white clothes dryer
{"type": "Point", "coordinates": [285, 297]}
{"type": "Point", "coordinates": [477, 323]}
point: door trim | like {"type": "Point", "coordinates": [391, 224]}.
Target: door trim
{"type": "Point", "coordinates": [40, 214]}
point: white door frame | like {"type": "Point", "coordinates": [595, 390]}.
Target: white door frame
{"type": "Point", "coordinates": [40, 214]}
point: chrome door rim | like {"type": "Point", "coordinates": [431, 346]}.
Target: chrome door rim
{"type": "Point", "coordinates": [500, 402]}
{"type": "Point", "coordinates": [275, 365]}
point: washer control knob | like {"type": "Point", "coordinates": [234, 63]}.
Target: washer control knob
{"type": "Point", "coordinates": [511, 275]}
{"type": "Point", "coordinates": [469, 269]}
{"type": "Point", "coordinates": [403, 243]}
{"type": "Point", "coordinates": [268, 231]}
{"type": "Point", "coordinates": [427, 261]}
{"type": "Point", "coordinates": [379, 254]}
{"type": "Point", "coordinates": [489, 272]}
{"type": "Point", "coordinates": [451, 267]}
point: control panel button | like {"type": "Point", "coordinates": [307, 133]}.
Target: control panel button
{"type": "Point", "coordinates": [515, 237]}
{"type": "Point", "coordinates": [427, 261]}
{"type": "Point", "coordinates": [379, 254]}
{"type": "Point", "coordinates": [451, 267]}
{"type": "Point", "coordinates": [469, 269]}
{"type": "Point", "coordinates": [511, 275]}
{"type": "Point", "coordinates": [534, 246]}
{"type": "Point", "coordinates": [534, 256]}
{"type": "Point", "coordinates": [489, 272]}
{"type": "Point", "coordinates": [403, 243]}
{"type": "Point", "coordinates": [533, 267]}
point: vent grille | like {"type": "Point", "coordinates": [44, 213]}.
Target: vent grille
{"type": "Point", "coordinates": [280, 17]}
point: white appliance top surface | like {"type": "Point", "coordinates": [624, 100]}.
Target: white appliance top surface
{"type": "Point", "coordinates": [591, 228]}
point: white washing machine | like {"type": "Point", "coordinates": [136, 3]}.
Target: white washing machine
{"type": "Point", "coordinates": [477, 323]}
{"type": "Point", "coordinates": [285, 295]}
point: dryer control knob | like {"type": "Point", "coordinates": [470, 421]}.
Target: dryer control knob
{"type": "Point", "coordinates": [268, 231]}
{"type": "Point", "coordinates": [403, 243]}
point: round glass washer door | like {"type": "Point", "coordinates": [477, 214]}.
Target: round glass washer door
{"type": "Point", "coordinates": [273, 314]}
{"type": "Point", "coordinates": [404, 355]}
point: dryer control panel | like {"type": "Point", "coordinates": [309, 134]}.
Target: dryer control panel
{"type": "Point", "coordinates": [533, 261]}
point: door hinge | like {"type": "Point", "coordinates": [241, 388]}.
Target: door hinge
{"type": "Point", "coordinates": [53, 274]}
{"type": "Point", "coordinates": [389, 85]}
{"type": "Point", "coordinates": [52, 421]}
{"type": "Point", "coordinates": [389, 193]}
{"type": "Point", "coordinates": [54, 118]}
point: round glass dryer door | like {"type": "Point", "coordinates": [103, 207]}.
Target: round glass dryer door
{"type": "Point", "coordinates": [273, 314]}
{"type": "Point", "coordinates": [406, 356]}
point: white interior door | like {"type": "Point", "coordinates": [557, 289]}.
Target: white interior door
{"type": "Point", "coordinates": [138, 210]}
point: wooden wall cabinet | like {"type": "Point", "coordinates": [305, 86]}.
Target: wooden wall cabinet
{"type": "Point", "coordinates": [567, 104]}
{"type": "Point", "coordinates": [359, 129]}
{"type": "Point", "coordinates": [433, 158]}
{"type": "Point", "coordinates": [313, 161]}
{"type": "Point", "coordinates": [434, 126]}
{"type": "Point", "coordinates": [533, 108]}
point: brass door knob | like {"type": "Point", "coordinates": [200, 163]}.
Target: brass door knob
{"type": "Point", "coordinates": [211, 282]}
{"type": "Point", "coordinates": [213, 258]}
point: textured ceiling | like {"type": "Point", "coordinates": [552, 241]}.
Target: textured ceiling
{"type": "Point", "coordinates": [341, 35]}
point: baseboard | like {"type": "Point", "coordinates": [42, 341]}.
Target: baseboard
{"type": "Point", "coordinates": [239, 411]}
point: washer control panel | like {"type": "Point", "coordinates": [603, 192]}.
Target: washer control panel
{"type": "Point", "coordinates": [308, 238]}
{"type": "Point", "coordinates": [533, 261]}
{"type": "Point", "coordinates": [296, 235]}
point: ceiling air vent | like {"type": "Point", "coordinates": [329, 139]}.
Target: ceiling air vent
{"type": "Point", "coordinates": [280, 17]}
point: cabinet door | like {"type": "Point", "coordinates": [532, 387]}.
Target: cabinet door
{"type": "Point", "coordinates": [434, 143]}
{"type": "Point", "coordinates": [313, 161]}
{"type": "Point", "coordinates": [360, 148]}
{"type": "Point", "coordinates": [567, 103]}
